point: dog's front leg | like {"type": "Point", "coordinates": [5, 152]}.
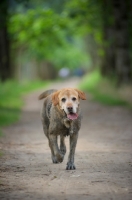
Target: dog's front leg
{"type": "Point", "coordinates": [62, 145]}
{"type": "Point", "coordinates": [73, 142]}
{"type": "Point", "coordinates": [57, 154]}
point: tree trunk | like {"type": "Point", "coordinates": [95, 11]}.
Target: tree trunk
{"type": "Point", "coordinates": [122, 40]}
{"type": "Point", "coordinates": [5, 71]}
{"type": "Point", "coordinates": [108, 64]}
{"type": "Point", "coordinates": [117, 38]}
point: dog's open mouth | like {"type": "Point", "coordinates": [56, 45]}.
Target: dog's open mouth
{"type": "Point", "coordinates": [72, 116]}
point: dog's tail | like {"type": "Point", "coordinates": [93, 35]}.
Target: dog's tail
{"type": "Point", "coordinates": [46, 93]}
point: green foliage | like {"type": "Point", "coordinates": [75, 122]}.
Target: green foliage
{"type": "Point", "coordinates": [8, 116]}
{"type": "Point", "coordinates": [46, 35]}
{"type": "Point", "coordinates": [88, 17]}
{"type": "Point", "coordinates": [38, 31]}
{"type": "Point", "coordinates": [71, 56]}
{"type": "Point", "coordinates": [91, 81]}
{"type": "Point", "coordinates": [11, 99]}
{"type": "Point", "coordinates": [102, 89]}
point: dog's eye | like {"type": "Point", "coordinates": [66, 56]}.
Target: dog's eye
{"type": "Point", "coordinates": [74, 99]}
{"type": "Point", "coordinates": [63, 99]}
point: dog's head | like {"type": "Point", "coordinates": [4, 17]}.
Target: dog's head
{"type": "Point", "coordinates": [68, 100]}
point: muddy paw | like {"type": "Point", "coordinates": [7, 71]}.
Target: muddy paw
{"type": "Point", "coordinates": [63, 151]}
{"type": "Point", "coordinates": [54, 160]}
{"type": "Point", "coordinates": [70, 166]}
{"type": "Point", "coordinates": [60, 157]}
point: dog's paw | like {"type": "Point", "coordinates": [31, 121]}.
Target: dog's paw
{"type": "Point", "coordinates": [63, 150]}
{"type": "Point", "coordinates": [54, 159]}
{"type": "Point", "coordinates": [60, 157]}
{"type": "Point", "coordinates": [70, 166]}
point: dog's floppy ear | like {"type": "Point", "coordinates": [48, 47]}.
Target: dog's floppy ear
{"type": "Point", "coordinates": [55, 98]}
{"type": "Point", "coordinates": [81, 94]}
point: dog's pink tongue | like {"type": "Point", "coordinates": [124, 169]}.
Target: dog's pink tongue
{"type": "Point", "coordinates": [72, 116]}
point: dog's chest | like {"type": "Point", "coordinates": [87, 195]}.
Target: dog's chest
{"type": "Point", "coordinates": [68, 127]}
{"type": "Point", "coordinates": [69, 124]}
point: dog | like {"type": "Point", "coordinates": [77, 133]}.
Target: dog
{"type": "Point", "coordinates": [61, 116]}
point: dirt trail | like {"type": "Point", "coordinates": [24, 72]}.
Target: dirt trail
{"type": "Point", "coordinates": [103, 156]}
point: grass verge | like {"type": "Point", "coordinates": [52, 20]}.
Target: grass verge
{"type": "Point", "coordinates": [11, 99]}
{"type": "Point", "coordinates": [105, 91]}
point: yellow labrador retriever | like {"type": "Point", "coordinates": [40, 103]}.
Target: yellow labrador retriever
{"type": "Point", "coordinates": [61, 116]}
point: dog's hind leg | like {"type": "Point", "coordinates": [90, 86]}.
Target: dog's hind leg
{"type": "Point", "coordinates": [62, 145]}
{"type": "Point", "coordinates": [73, 142]}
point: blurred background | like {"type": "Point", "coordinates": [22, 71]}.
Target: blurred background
{"type": "Point", "coordinates": [47, 40]}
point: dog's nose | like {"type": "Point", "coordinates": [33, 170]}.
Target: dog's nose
{"type": "Point", "coordinates": [69, 109]}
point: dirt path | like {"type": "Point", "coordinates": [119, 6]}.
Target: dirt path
{"type": "Point", "coordinates": [103, 156]}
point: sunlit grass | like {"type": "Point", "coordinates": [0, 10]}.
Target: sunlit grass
{"type": "Point", "coordinates": [11, 99]}
{"type": "Point", "coordinates": [102, 89]}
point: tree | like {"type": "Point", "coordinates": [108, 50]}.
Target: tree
{"type": "Point", "coordinates": [108, 22]}
{"type": "Point", "coordinates": [116, 18]}
{"type": "Point", "coordinates": [45, 35]}
{"type": "Point", "coordinates": [5, 69]}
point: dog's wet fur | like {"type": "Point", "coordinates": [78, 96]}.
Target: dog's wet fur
{"type": "Point", "coordinates": [61, 116]}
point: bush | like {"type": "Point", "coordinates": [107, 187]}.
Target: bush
{"type": "Point", "coordinates": [11, 99]}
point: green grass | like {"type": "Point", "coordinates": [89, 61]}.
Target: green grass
{"type": "Point", "coordinates": [102, 89]}
{"type": "Point", "coordinates": [11, 100]}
